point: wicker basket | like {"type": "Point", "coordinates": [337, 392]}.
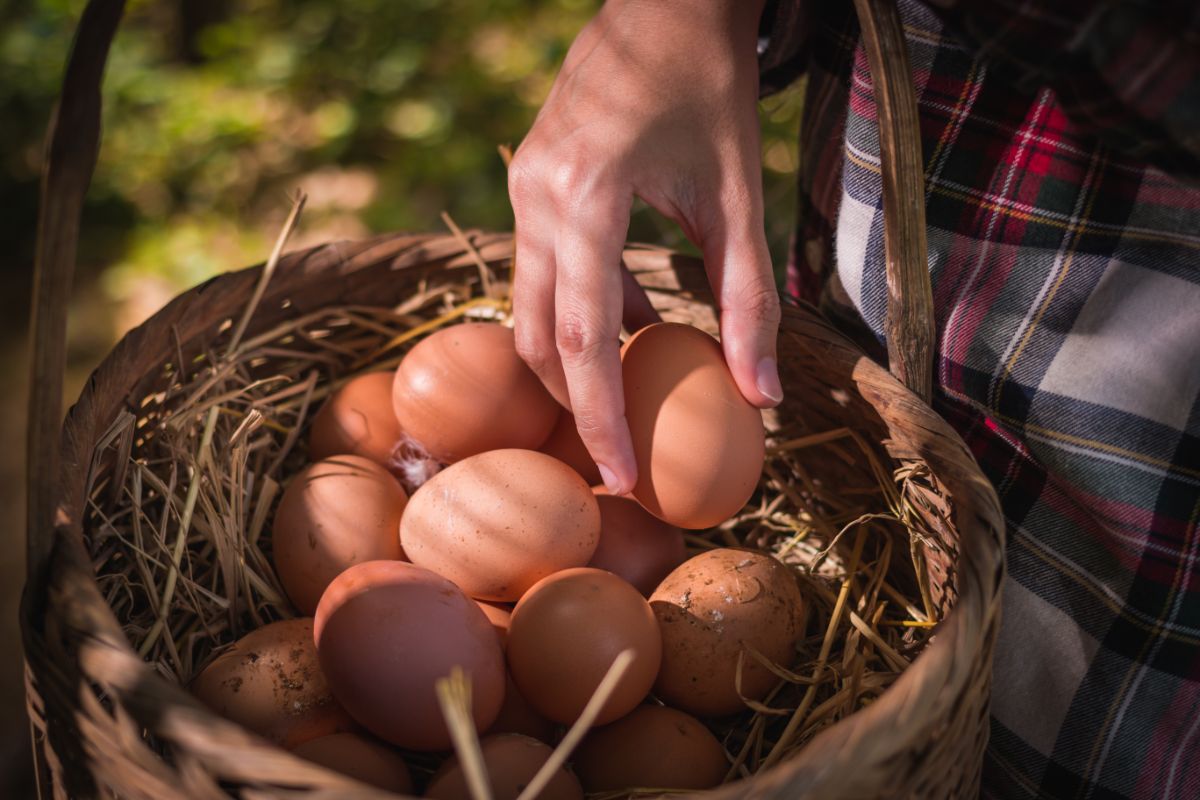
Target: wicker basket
{"type": "Point", "coordinates": [102, 717]}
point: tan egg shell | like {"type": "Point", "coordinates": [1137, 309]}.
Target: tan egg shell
{"type": "Point", "coordinates": [464, 390]}
{"type": "Point", "coordinates": [651, 747]}
{"type": "Point", "coordinates": [565, 445]}
{"type": "Point", "coordinates": [634, 544]}
{"type": "Point", "coordinates": [511, 761]}
{"type": "Point", "coordinates": [357, 419]}
{"type": "Point", "coordinates": [498, 522]}
{"type": "Point", "coordinates": [386, 631]}
{"type": "Point", "coordinates": [698, 443]}
{"type": "Point", "coordinates": [706, 609]}
{"type": "Point", "coordinates": [269, 682]}
{"type": "Point", "coordinates": [565, 634]}
{"type": "Point", "coordinates": [334, 514]}
{"type": "Point", "coordinates": [360, 758]}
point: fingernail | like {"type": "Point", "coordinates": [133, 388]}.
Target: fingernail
{"type": "Point", "coordinates": [610, 480]}
{"type": "Point", "coordinates": [768, 380]}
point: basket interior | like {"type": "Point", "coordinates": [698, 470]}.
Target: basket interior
{"type": "Point", "coordinates": [832, 498]}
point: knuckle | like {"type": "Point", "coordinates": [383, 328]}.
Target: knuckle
{"type": "Point", "coordinates": [601, 429]}
{"type": "Point", "coordinates": [598, 422]}
{"type": "Point", "coordinates": [760, 304]}
{"type": "Point", "coordinates": [578, 338]}
{"type": "Point", "coordinates": [534, 177]}
{"type": "Point", "coordinates": [591, 428]}
{"type": "Point", "coordinates": [569, 177]}
{"type": "Point", "coordinates": [522, 180]}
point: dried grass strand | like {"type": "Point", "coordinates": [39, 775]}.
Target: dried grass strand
{"type": "Point", "coordinates": [185, 524]}
{"type": "Point", "coordinates": [260, 288]}
{"type": "Point", "coordinates": [826, 645]}
{"type": "Point", "coordinates": [575, 734]}
{"type": "Point", "coordinates": [485, 272]}
{"type": "Point", "coordinates": [454, 698]}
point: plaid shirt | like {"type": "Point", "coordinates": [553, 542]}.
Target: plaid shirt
{"type": "Point", "coordinates": [1064, 250]}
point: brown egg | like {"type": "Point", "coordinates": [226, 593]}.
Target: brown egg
{"type": "Point", "coordinates": [565, 634]}
{"type": "Point", "coordinates": [358, 420]}
{"type": "Point", "coordinates": [464, 390]}
{"type": "Point", "coordinates": [653, 747]}
{"type": "Point", "coordinates": [386, 631]}
{"type": "Point", "coordinates": [634, 544]}
{"type": "Point", "coordinates": [500, 617]}
{"type": "Point", "coordinates": [336, 513]}
{"type": "Point", "coordinates": [565, 445]}
{"type": "Point", "coordinates": [698, 443]}
{"type": "Point", "coordinates": [498, 522]}
{"type": "Point", "coordinates": [360, 758]}
{"type": "Point", "coordinates": [270, 683]}
{"type": "Point", "coordinates": [517, 716]}
{"type": "Point", "coordinates": [707, 609]}
{"type": "Point", "coordinates": [511, 761]}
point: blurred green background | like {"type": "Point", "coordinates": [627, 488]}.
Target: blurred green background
{"type": "Point", "coordinates": [385, 111]}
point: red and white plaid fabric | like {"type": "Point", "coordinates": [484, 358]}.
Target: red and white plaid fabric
{"type": "Point", "coordinates": [1064, 250]}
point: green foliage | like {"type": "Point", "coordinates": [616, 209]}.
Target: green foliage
{"type": "Point", "coordinates": [386, 112]}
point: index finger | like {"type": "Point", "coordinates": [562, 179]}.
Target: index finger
{"type": "Point", "coordinates": [588, 303]}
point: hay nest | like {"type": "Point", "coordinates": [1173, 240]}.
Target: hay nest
{"type": "Point", "coordinates": [179, 531]}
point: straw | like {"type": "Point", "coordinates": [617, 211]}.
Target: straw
{"type": "Point", "coordinates": [587, 718]}
{"type": "Point", "coordinates": [260, 288]}
{"type": "Point", "coordinates": [183, 549]}
{"type": "Point", "coordinates": [454, 698]}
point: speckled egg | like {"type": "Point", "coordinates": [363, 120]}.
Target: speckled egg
{"type": "Point", "coordinates": [708, 609]}
{"type": "Point", "coordinates": [270, 682]}
{"type": "Point", "coordinates": [498, 522]}
{"type": "Point", "coordinates": [334, 514]}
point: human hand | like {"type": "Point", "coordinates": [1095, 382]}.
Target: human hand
{"type": "Point", "coordinates": [657, 100]}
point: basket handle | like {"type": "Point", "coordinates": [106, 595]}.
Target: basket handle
{"type": "Point", "coordinates": [72, 146]}
{"type": "Point", "coordinates": [910, 322]}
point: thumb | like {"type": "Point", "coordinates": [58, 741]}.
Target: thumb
{"type": "Point", "coordinates": [739, 269]}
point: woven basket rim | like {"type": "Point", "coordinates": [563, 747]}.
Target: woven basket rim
{"type": "Point", "coordinates": [939, 676]}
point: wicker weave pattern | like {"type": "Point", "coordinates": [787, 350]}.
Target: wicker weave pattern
{"type": "Point", "coordinates": [91, 697]}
